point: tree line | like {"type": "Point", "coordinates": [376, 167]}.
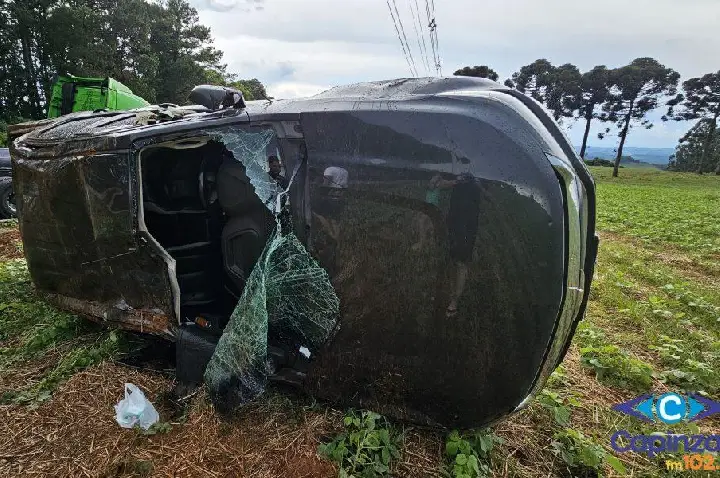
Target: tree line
{"type": "Point", "coordinates": [622, 97]}
{"type": "Point", "coordinates": [161, 51]}
{"type": "Point", "coordinates": [158, 49]}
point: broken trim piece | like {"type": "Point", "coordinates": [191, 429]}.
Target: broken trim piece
{"type": "Point", "coordinates": [169, 260]}
{"type": "Point", "coordinates": [120, 316]}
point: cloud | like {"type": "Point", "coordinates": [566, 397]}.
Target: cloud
{"type": "Point", "coordinates": [326, 63]}
{"type": "Point", "coordinates": [291, 89]}
{"type": "Point", "coordinates": [285, 69]}
{"type": "Point", "coordinates": [323, 42]}
{"type": "Point", "coordinates": [505, 35]}
{"type": "Point", "coordinates": [224, 6]}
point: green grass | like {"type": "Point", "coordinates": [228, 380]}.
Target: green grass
{"type": "Point", "coordinates": [41, 344]}
{"type": "Point", "coordinates": [679, 210]}
{"type": "Point", "coordinates": [668, 311]}
{"type": "Point", "coordinates": [654, 316]}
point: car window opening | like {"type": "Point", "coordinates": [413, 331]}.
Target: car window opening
{"type": "Point", "coordinates": [249, 290]}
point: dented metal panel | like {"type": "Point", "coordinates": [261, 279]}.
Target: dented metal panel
{"type": "Point", "coordinates": [77, 220]}
{"type": "Point", "coordinates": [76, 181]}
{"type": "Point", "coordinates": [119, 315]}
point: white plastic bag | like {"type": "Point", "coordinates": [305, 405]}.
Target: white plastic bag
{"type": "Point", "coordinates": [135, 409]}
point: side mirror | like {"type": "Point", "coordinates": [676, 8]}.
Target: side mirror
{"type": "Point", "coordinates": [216, 97]}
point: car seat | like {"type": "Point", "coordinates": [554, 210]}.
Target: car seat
{"type": "Point", "coordinates": [248, 226]}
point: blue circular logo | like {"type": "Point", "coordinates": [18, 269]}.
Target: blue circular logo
{"type": "Point", "coordinates": [671, 408]}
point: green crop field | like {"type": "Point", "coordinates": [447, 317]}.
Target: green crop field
{"type": "Point", "coordinates": [653, 324]}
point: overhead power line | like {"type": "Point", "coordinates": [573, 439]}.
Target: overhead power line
{"type": "Point", "coordinates": [407, 44]}
{"type": "Point", "coordinates": [437, 44]}
{"type": "Point", "coordinates": [402, 44]}
{"type": "Point", "coordinates": [432, 26]}
{"type": "Point", "coordinates": [419, 33]}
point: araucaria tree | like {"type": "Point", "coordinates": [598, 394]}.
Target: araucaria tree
{"type": "Point", "coordinates": [693, 154]}
{"type": "Point", "coordinates": [635, 90]}
{"type": "Point", "coordinates": [482, 71]}
{"type": "Point", "coordinates": [701, 101]}
{"type": "Point", "coordinates": [557, 87]}
{"type": "Point", "coordinates": [594, 91]}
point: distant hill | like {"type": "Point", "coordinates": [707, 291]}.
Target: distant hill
{"type": "Point", "coordinates": [654, 156]}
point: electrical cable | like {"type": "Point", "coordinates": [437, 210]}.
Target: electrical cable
{"type": "Point", "coordinates": [400, 38]}
{"type": "Point", "coordinates": [402, 29]}
{"type": "Point", "coordinates": [437, 43]}
{"type": "Point", "coordinates": [419, 33]}
{"type": "Point", "coordinates": [431, 26]}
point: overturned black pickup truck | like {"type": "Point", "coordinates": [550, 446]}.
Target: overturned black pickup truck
{"type": "Point", "coordinates": [420, 247]}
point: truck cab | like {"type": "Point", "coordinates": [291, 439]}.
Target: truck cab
{"type": "Point", "coordinates": [71, 94]}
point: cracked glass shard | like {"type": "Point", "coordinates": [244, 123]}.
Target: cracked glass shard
{"type": "Point", "coordinates": [249, 147]}
{"type": "Point", "coordinates": [288, 295]}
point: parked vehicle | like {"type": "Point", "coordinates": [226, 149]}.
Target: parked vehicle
{"type": "Point", "coordinates": [453, 219]}
{"type": "Point", "coordinates": [71, 94]}
{"type": "Point", "coordinates": [7, 199]}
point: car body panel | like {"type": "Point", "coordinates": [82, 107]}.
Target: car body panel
{"type": "Point", "coordinates": [81, 244]}
{"type": "Point", "coordinates": [77, 197]}
{"type": "Point", "coordinates": [390, 148]}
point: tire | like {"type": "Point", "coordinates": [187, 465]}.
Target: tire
{"type": "Point", "coordinates": [7, 199]}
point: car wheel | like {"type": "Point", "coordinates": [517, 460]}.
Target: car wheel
{"type": "Point", "coordinates": [7, 199]}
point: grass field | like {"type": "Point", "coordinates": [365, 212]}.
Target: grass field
{"type": "Point", "coordinates": [653, 323]}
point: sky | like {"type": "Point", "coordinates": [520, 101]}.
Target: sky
{"type": "Point", "coordinates": [299, 48]}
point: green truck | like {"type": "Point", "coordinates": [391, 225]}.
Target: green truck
{"type": "Point", "coordinates": [72, 93]}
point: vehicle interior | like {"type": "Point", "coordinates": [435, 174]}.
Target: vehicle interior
{"type": "Point", "coordinates": [200, 206]}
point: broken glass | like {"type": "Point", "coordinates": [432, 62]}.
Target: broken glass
{"type": "Point", "coordinates": [288, 294]}
{"type": "Point", "coordinates": [250, 148]}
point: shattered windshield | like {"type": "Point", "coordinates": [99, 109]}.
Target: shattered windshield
{"type": "Point", "coordinates": [287, 294]}
{"type": "Point", "coordinates": [250, 146]}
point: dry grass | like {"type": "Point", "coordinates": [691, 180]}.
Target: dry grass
{"type": "Point", "coordinates": [75, 434]}
{"type": "Point", "coordinates": [29, 372]}
{"type": "Point", "coordinates": [10, 245]}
